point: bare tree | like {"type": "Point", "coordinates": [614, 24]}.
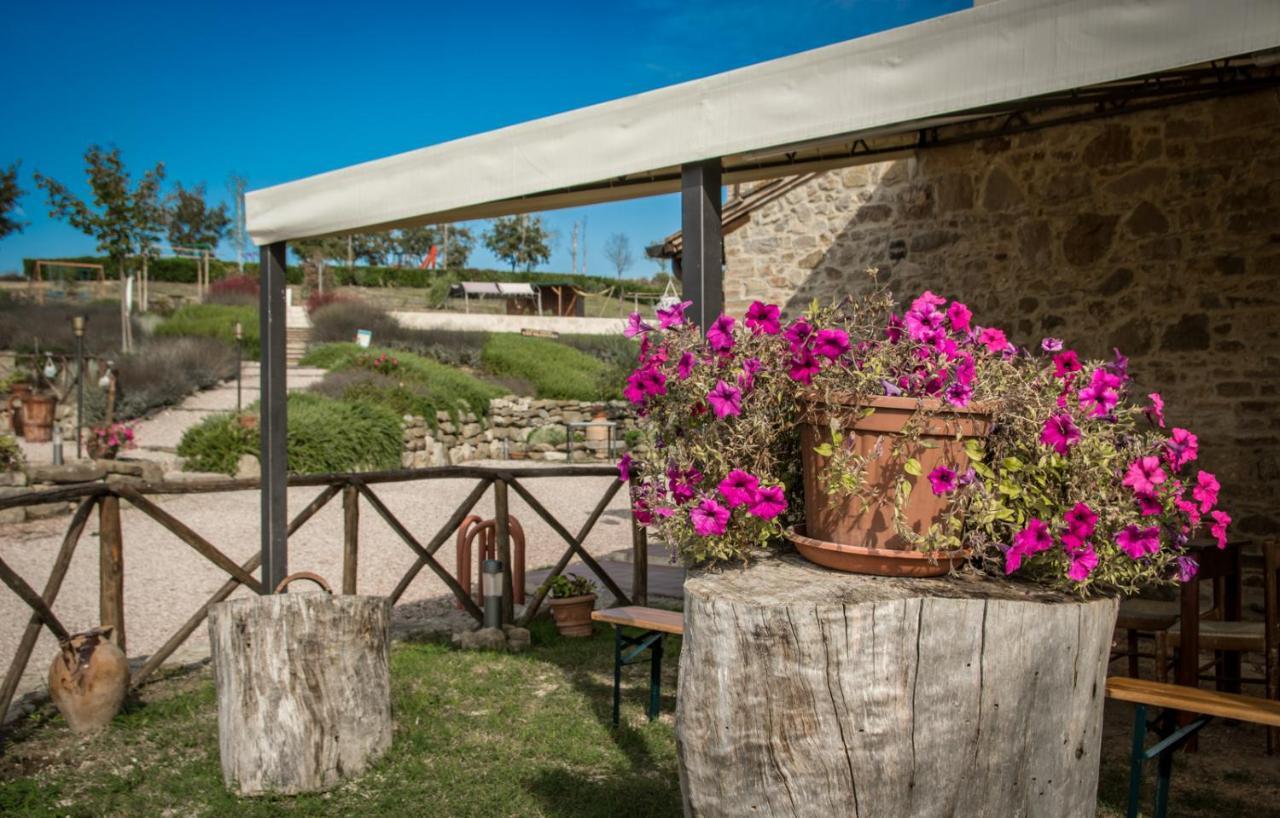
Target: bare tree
{"type": "Point", "coordinates": [236, 185]}
{"type": "Point", "coordinates": [618, 250]}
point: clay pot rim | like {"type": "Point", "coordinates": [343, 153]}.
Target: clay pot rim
{"type": "Point", "coordinates": [937, 405]}
{"type": "Point", "coordinates": [569, 600]}
{"type": "Point", "coordinates": [794, 535]}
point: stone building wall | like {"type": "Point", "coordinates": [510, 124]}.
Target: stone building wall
{"type": "Point", "coordinates": [1155, 232]}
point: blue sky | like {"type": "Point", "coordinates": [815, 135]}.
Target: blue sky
{"type": "Point", "coordinates": [277, 91]}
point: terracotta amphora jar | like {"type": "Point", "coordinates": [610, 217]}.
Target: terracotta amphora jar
{"type": "Point", "coordinates": [850, 534]}
{"type": "Point", "coordinates": [88, 680]}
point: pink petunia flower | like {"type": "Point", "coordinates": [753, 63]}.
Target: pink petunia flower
{"type": "Point", "coordinates": [1181, 448]}
{"type": "Point", "coordinates": [1144, 474]}
{"type": "Point", "coordinates": [684, 367]}
{"type": "Point", "coordinates": [1066, 364]}
{"type": "Point", "coordinates": [1157, 408]}
{"type": "Point", "coordinates": [739, 487]}
{"type": "Point", "coordinates": [797, 333]}
{"type": "Point", "coordinates": [720, 334]}
{"type": "Point", "coordinates": [762, 317]}
{"type": "Point", "coordinates": [1100, 396]}
{"type": "Point", "coordinates": [1082, 564]}
{"type": "Point", "coordinates": [624, 467]}
{"type": "Point", "coordinates": [636, 326]}
{"type": "Point", "coordinates": [893, 330]}
{"type": "Point", "coordinates": [709, 518]}
{"type": "Point", "coordinates": [804, 365]}
{"type": "Point", "coordinates": [1149, 505]}
{"type": "Point", "coordinates": [942, 480]}
{"type": "Point", "coordinates": [1031, 540]}
{"type": "Point", "coordinates": [831, 343]}
{"type": "Point", "coordinates": [769, 502]}
{"type": "Point", "coordinates": [747, 380]}
{"type": "Point", "coordinates": [1206, 490]}
{"type": "Point", "coordinates": [1060, 433]}
{"type": "Point", "coordinates": [1187, 568]}
{"type": "Point", "coordinates": [725, 400]}
{"type": "Point", "coordinates": [640, 510]}
{"type": "Point", "coordinates": [1221, 520]}
{"type": "Point", "coordinates": [1081, 520]}
{"type": "Point", "coordinates": [959, 394]}
{"type": "Point", "coordinates": [993, 339]}
{"type": "Point", "coordinates": [1051, 344]}
{"type": "Point", "coordinates": [1138, 542]}
{"type": "Point", "coordinates": [672, 316]}
{"type": "Point", "coordinates": [959, 315]}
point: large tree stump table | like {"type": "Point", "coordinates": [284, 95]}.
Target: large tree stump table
{"type": "Point", "coordinates": [805, 691]}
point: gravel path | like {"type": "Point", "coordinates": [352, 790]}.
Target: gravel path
{"type": "Point", "coordinates": [166, 581]}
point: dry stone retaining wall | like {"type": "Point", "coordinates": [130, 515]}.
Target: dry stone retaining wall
{"type": "Point", "coordinates": [1155, 232]}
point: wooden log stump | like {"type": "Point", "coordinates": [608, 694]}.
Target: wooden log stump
{"type": "Point", "coordinates": [804, 691]}
{"type": "Point", "coordinates": [304, 689]}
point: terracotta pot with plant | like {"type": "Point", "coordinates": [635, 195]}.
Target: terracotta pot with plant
{"type": "Point", "coordinates": [572, 600]}
{"type": "Point", "coordinates": [105, 442]}
{"type": "Point", "coordinates": [911, 444]}
{"type": "Point", "coordinates": [88, 680]}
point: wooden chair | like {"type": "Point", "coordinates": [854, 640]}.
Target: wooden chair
{"type": "Point", "coordinates": [1143, 618]}
{"type": "Point", "coordinates": [1240, 637]}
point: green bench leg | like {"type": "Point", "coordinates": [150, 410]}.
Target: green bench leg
{"type": "Point", "coordinates": [1172, 737]}
{"type": "Point", "coordinates": [1137, 756]}
{"type": "Point", "coordinates": [655, 678]}
{"type": "Point", "coordinates": [650, 641]}
{"type": "Point", "coordinates": [617, 674]}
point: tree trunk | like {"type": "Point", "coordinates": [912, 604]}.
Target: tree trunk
{"type": "Point", "coordinates": [804, 691]}
{"type": "Point", "coordinates": [304, 689]}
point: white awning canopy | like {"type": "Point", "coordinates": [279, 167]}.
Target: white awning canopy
{"type": "Point", "coordinates": [776, 118]}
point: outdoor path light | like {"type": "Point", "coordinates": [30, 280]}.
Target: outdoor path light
{"type": "Point", "coordinates": [77, 326]}
{"type": "Point", "coordinates": [491, 581]}
{"type": "Point", "coordinates": [239, 361]}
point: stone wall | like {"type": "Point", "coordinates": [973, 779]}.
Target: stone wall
{"type": "Point", "coordinates": [510, 431]}
{"type": "Point", "coordinates": [1156, 232]}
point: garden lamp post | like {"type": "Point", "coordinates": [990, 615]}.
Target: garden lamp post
{"type": "Point", "coordinates": [77, 326]}
{"type": "Point", "coordinates": [239, 358]}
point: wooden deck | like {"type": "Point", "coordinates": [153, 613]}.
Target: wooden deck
{"type": "Point", "coordinates": [665, 580]}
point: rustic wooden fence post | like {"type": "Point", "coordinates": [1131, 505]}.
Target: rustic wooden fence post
{"type": "Point", "coordinates": [639, 563]}
{"type": "Point", "coordinates": [502, 534]}
{"type": "Point", "coordinates": [350, 537]}
{"type": "Point", "coordinates": [111, 569]}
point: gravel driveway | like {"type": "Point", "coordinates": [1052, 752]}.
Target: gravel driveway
{"type": "Point", "coordinates": [166, 581]}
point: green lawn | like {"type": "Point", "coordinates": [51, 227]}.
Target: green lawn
{"type": "Point", "coordinates": [477, 734]}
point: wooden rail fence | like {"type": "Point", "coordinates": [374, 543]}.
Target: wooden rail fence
{"type": "Point", "coordinates": [106, 497]}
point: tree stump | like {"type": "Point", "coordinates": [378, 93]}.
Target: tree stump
{"type": "Point", "coordinates": [304, 689]}
{"type": "Point", "coordinates": [805, 691]}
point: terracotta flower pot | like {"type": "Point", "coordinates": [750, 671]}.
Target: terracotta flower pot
{"type": "Point", "coordinates": [18, 393]}
{"type": "Point", "coordinates": [37, 417]}
{"type": "Point", "coordinates": [851, 522]}
{"type": "Point", "coordinates": [573, 614]}
{"type": "Point", "coordinates": [88, 680]}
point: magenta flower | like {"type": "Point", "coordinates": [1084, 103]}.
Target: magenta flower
{"type": "Point", "coordinates": [1144, 474]}
{"type": "Point", "coordinates": [1100, 396]}
{"type": "Point", "coordinates": [1206, 490]}
{"type": "Point", "coordinates": [923, 319]}
{"type": "Point", "coordinates": [804, 365]}
{"type": "Point", "coordinates": [636, 326]}
{"type": "Point", "coordinates": [725, 400]}
{"type": "Point", "coordinates": [1082, 564]}
{"type": "Point", "coordinates": [831, 343]}
{"type": "Point", "coordinates": [959, 315]}
{"type": "Point", "coordinates": [1081, 520]}
{"type": "Point", "coordinates": [1181, 448]}
{"type": "Point", "coordinates": [762, 317]}
{"type": "Point", "coordinates": [1221, 520]}
{"type": "Point", "coordinates": [893, 330]}
{"type": "Point", "coordinates": [634, 391]}
{"type": "Point", "coordinates": [624, 467]}
{"type": "Point", "coordinates": [644, 382]}
{"type": "Point", "coordinates": [1190, 509]}
{"type": "Point", "coordinates": [709, 518]}
{"type": "Point", "coordinates": [769, 502]}
{"type": "Point", "coordinates": [1148, 504]}
{"type": "Point", "coordinates": [684, 367]}
{"type": "Point", "coordinates": [681, 491]}
{"type": "Point", "coordinates": [993, 339]}
{"type": "Point", "coordinates": [747, 380]}
{"type": "Point", "coordinates": [959, 394]}
{"type": "Point", "coordinates": [966, 371]}
{"type": "Point", "coordinates": [1060, 433]}
{"type": "Point", "coordinates": [1066, 365]}
{"type": "Point", "coordinates": [739, 487]}
{"type": "Point", "coordinates": [942, 480]}
{"type": "Point", "coordinates": [1157, 408]}
{"type": "Point", "coordinates": [1138, 542]}
{"type": "Point", "coordinates": [720, 334]}
{"type": "Point", "coordinates": [640, 510]}
{"type": "Point", "coordinates": [1051, 344]}
{"type": "Point", "coordinates": [1187, 568]}
{"type": "Point", "coordinates": [673, 316]}
{"type": "Point", "coordinates": [797, 333]}
{"type": "Point", "coordinates": [1031, 540]}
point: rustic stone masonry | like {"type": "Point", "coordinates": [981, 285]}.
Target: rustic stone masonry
{"type": "Point", "coordinates": [1155, 232]}
{"type": "Point", "coordinates": [509, 431]}
{"type": "Point", "coordinates": [32, 478]}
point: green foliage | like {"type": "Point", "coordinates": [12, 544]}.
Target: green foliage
{"type": "Point", "coordinates": [325, 435]}
{"type": "Point", "coordinates": [162, 372]}
{"type": "Point", "coordinates": [550, 434]}
{"type": "Point", "coordinates": [555, 370]}
{"type": "Point", "coordinates": [25, 326]}
{"type": "Point", "coordinates": [191, 222]}
{"type": "Point", "coordinates": [215, 321]}
{"type": "Point", "coordinates": [563, 586]}
{"type": "Point", "coordinates": [11, 458]}
{"type": "Point", "coordinates": [338, 322]}
{"type": "Point", "coordinates": [443, 387]}
{"type": "Point", "coordinates": [521, 241]}
{"type": "Point", "coordinates": [9, 195]}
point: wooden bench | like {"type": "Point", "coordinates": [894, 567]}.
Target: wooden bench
{"type": "Point", "coordinates": [1207, 704]}
{"type": "Point", "coordinates": [654, 624]}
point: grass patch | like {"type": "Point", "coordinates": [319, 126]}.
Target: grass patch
{"type": "Point", "coordinates": [555, 370]}
{"type": "Point", "coordinates": [215, 321]}
{"type": "Point", "coordinates": [438, 385]}
{"type": "Point", "coordinates": [477, 734]}
{"type": "Point", "coordinates": [325, 435]}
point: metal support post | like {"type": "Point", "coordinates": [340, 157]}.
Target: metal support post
{"type": "Point", "coordinates": [702, 260]}
{"type": "Point", "coordinates": [274, 417]}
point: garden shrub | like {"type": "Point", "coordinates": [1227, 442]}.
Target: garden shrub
{"type": "Point", "coordinates": [553, 435]}
{"type": "Point", "coordinates": [162, 372]}
{"type": "Point", "coordinates": [25, 326]}
{"type": "Point", "coordinates": [325, 435]}
{"type": "Point", "coordinates": [360, 384]}
{"type": "Point", "coordinates": [319, 300]}
{"type": "Point", "coordinates": [11, 457]}
{"type": "Point", "coordinates": [215, 321]}
{"type": "Point", "coordinates": [339, 321]}
{"type": "Point", "coordinates": [556, 371]}
{"type": "Point", "coordinates": [240, 291]}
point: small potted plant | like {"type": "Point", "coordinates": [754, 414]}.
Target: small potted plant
{"type": "Point", "coordinates": [108, 440]}
{"type": "Point", "coordinates": [572, 600]}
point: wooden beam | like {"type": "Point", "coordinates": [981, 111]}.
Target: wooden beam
{"type": "Point", "coordinates": [702, 261]}
{"type": "Point", "coordinates": [111, 570]}
{"type": "Point", "coordinates": [273, 421]}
